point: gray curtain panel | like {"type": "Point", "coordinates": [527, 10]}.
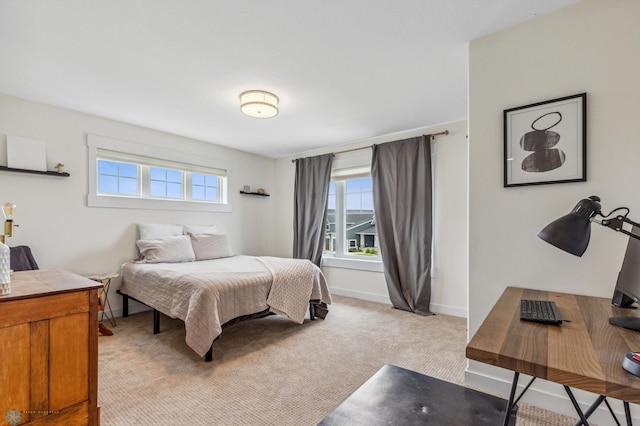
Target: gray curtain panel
{"type": "Point", "coordinates": [401, 173]}
{"type": "Point", "coordinates": [313, 175]}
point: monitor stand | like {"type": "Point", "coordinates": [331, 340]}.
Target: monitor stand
{"type": "Point", "coordinates": [632, 323]}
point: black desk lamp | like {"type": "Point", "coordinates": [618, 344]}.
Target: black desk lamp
{"type": "Point", "coordinates": [571, 232]}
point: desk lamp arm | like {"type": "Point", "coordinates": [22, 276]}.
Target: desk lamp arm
{"type": "Point", "coordinates": [616, 224]}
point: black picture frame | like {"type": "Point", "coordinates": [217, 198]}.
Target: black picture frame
{"type": "Point", "coordinates": [546, 142]}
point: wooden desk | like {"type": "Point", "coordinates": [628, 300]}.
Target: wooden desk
{"type": "Point", "coordinates": [585, 353]}
{"type": "Point", "coordinates": [49, 340]}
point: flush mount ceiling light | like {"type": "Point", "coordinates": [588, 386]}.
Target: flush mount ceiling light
{"type": "Point", "coordinates": [259, 104]}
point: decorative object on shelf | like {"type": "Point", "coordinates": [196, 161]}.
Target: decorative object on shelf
{"type": "Point", "coordinates": [246, 188]}
{"type": "Point", "coordinates": [59, 167]}
{"type": "Point", "coordinates": [546, 142]}
{"type": "Point", "coordinates": [261, 191]}
{"type": "Point", "coordinates": [26, 153]}
{"type": "Point", "coordinates": [259, 104]}
{"type": "Point", "coordinates": [5, 269]}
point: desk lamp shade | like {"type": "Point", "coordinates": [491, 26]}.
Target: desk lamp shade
{"type": "Point", "coordinates": [571, 232]}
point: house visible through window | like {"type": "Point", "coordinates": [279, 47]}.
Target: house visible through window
{"type": "Point", "coordinates": [351, 227]}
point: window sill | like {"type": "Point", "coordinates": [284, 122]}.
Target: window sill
{"type": "Point", "coordinates": [151, 204]}
{"type": "Point", "coordinates": [348, 263]}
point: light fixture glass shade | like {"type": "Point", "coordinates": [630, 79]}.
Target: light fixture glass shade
{"type": "Point", "coordinates": [572, 232]}
{"type": "Point", "coordinates": [7, 210]}
{"type": "Point", "coordinates": [259, 104]}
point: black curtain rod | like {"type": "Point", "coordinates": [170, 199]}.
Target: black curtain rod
{"type": "Point", "coordinates": [446, 132]}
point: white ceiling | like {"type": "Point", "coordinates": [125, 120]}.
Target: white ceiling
{"type": "Point", "coordinates": [344, 70]}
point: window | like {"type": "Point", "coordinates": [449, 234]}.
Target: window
{"type": "Point", "coordinates": [116, 178]}
{"type": "Point", "coordinates": [165, 183]}
{"type": "Point", "coordinates": [204, 187]}
{"type": "Point", "coordinates": [123, 174]}
{"type": "Point", "coordinates": [351, 228]}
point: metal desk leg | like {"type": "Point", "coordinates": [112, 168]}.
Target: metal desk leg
{"type": "Point", "coordinates": [627, 413]}
{"type": "Point", "coordinates": [576, 406]}
{"type": "Point", "coordinates": [512, 394]}
{"type": "Point", "coordinates": [591, 409]}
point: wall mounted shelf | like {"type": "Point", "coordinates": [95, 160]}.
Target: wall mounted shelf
{"type": "Point", "coordinates": [254, 193]}
{"type": "Point", "coordinates": [35, 172]}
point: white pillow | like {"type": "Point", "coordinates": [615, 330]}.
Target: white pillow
{"type": "Point", "coordinates": [154, 231]}
{"type": "Point", "coordinates": [210, 246]}
{"type": "Point", "coordinates": [171, 249]}
{"type": "Point", "coordinates": [200, 229]}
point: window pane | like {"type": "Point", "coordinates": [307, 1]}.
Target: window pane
{"type": "Point", "coordinates": [158, 174]}
{"type": "Point", "coordinates": [353, 185]}
{"type": "Point", "coordinates": [359, 235]}
{"type": "Point", "coordinates": [117, 178]}
{"type": "Point", "coordinates": [174, 190]}
{"type": "Point", "coordinates": [158, 189]}
{"type": "Point", "coordinates": [197, 179]}
{"type": "Point", "coordinates": [128, 186]}
{"type": "Point", "coordinates": [197, 192]}
{"type": "Point", "coordinates": [212, 194]}
{"type": "Point", "coordinates": [353, 201]}
{"type": "Point", "coordinates": [331, 201]}
{"type": "Point", "coordinates": [211, 180]}
{"type": "Point", "coordinates": [367, 184]}
{"type": "Point", "coordinates": [174, 176]}
{"type": "Point", "coordinates": [107, 184]}
{"type": "Point", "coordinates": [128, 170]}
{"type": "Point", "coordinates": [107, 167]}
{"type": "Point", "coordinates": [367, 201]}
{"type": "Point", "coordinates": [204, 187]}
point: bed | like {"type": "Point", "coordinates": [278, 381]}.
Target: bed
{"type": "Point", "coordinates": [211, 288]}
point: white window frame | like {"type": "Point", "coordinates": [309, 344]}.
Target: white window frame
{"type": "Point", "coordinates": [349, 166]}
{"type": "Point", "coordinates": [163, 158]}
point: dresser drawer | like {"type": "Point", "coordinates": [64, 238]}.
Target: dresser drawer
{"type": "Point", "coordinates": [33, 309]}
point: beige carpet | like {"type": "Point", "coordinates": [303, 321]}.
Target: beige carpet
{"type": "Point", "coordinates": [272, 371]}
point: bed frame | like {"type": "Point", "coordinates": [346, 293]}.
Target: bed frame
{"type": "Point", "coordinates": [316, 308]}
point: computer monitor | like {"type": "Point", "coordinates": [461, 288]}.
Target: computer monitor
{"type": "Point", "coordinates": [627, 291]}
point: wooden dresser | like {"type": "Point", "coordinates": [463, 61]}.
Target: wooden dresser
{"type": "Point", "coordinates": [49, 349]}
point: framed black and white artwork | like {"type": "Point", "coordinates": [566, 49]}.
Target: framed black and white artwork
{"type": "Point", "coordinates": [546, 142]}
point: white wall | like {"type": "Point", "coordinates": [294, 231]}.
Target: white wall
{"type": "Point", "coordinates": [449, 293]}
{"type": "Point", "coordinates": [590, 47]}
{"type": "Point", "coordinates": [64, 233]}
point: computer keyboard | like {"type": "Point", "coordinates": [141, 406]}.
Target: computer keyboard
{"type": "Point", "coordinates": [542, 311]}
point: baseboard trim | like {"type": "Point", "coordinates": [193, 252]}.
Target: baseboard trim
{"type": "Point", "coordinates": [549, 400]}
{"type": "Point", "coordinates": [371, 297]}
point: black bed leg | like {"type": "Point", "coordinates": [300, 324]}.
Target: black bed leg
{"type": "Point", "coordinates": [125, 305]}
{"type": "Point", "coordinates": [312, 311]}
{"type": "Point", "coordinates": [156, 321]}
{"type": "Point", "coordinates": [209, 355]}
